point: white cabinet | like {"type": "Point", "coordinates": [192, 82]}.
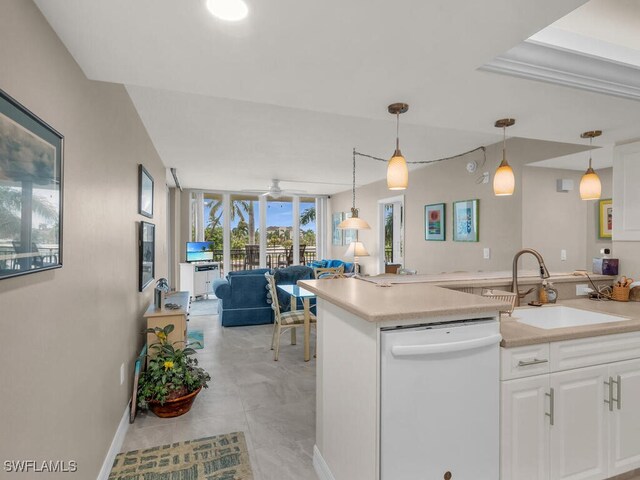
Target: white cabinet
{"type": "Point", "coordinates": [626, 194]}
{"type": "Point", "coordinates": [624, 417]}
{"type": "Point", "coordinates": [571, 424]}
{"type": "Point", "coordinates": [197, 278]}
{"type": "Point", "coordinates": [579, 434]}
{"type": "Point", "coordinates": [525, 429]}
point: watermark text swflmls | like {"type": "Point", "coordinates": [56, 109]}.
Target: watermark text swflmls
{"type": "Point", "coordinates": [44, 466]}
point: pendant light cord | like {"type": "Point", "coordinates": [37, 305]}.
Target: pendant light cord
{"type": "Point", "coordinates": [422, 162]}
{"type": "Point", "coordinates": [398, 131]}
{"type": "Point", "coordinates": [353, 188]}
{"type": "Point", "coordinates": [590, 150]}
{"type": "Point", "coordinates": [504, 144]}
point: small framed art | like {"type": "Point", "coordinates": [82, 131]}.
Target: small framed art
{"type": "Point", "coordinates": [466, 221]}
{"type": "Point", "coordinates": [606, 218]}
{"type": "Point", "coordinates": [435, 222]}
{"type": "Point", "coordinates": [145, 192]}
{"type": "Point", "coordinates": [147, 254]}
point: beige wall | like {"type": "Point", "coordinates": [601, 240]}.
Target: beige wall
{"type": "Point", "coordinates": [594, 242]}
{"type": "Point", "coordinates": [65, 332]}
{"type": "Point", "coordinates": [501, 226]}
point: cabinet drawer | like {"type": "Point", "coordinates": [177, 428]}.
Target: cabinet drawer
{"type": "Point", "coordinates": [585, 352]}
{"type": "Point", "coordinates": [524, 361]}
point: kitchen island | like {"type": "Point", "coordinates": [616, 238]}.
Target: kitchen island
{"type": "Point", "coordinates": [354, 424]}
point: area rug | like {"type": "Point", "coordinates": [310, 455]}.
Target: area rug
{"type": "Point", "coordinates": [204, 307]}
{"type": "Point", "coordinates": [196, 338]}
{"type": "Point", "coordinates": [222, 457]}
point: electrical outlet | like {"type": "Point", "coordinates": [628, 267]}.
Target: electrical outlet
{"type": "Point", "coordinates": [486, 253]}
{"type": "Point", "coordinates": [583, 289]}
{"type": "Point", "coordinates": [122, 374]}
{"type": "Point", "coordinates": [563, 255]}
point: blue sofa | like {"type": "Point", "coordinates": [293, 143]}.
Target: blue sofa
{"type": "Point", "coordinates": [348, 266]}
{"type": "Point", "coordinates": [243, 295]}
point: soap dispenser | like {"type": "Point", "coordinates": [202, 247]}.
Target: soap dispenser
{"type": "Point", "coordinates": [552, 292]}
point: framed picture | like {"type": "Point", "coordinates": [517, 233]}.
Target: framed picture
{"type": "Point", "coordinates": [350, 235]}
{"type": "Point", "coordinates": [435, 222]}
{"type": "Point", "coordinates": [336, 233]}
{"type": "Point", "coordinates": [147, 256]}
{"type": "Point", "coordinates": [145, 192]}
{"type": "Point", "coordinates": [466, 221]}
{"type": "Point", "coordinates": [606, 218]}
{"type": "Point", "coordinates": [30, 191]}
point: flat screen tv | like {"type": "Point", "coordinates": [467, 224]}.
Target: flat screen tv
{"type": "Point", "coordinates": [199, 251]}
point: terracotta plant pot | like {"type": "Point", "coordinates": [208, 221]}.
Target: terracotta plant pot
{"type": "Point", "coordinates": [176, 407]}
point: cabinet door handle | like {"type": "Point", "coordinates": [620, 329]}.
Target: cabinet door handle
{"type": "Point", "coordinates": [618, 398]}
{"type": "Point", "coordinates": [610, 400]}
{"type": "Point", "coordinates": [535, 361]}
{"type": "Point", "coordinates": [551, 413]}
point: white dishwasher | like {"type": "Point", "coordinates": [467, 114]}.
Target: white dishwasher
{"type": "Point", "coordinates": [440, 401]}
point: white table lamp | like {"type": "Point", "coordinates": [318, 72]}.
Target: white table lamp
{"type": "Point", "coordinates": [356, 250]}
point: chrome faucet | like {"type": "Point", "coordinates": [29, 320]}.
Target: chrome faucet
{"type": "Point", "coordinates": [544, 273]}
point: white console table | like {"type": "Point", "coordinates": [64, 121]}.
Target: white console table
{"type": "Point", "coordinates": [197, 278]}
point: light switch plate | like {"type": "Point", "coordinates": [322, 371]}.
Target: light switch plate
{"type": "Point", "coordinates": [121, 374]}
{"type": "Point", "coordinates": [486, 253]}
{"type": "Point", "coordinates": [563, 255]}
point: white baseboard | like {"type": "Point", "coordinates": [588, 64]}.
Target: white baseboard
{"type": "Point", "coordinates": [320, 466]}
{"type": "Point", "coordinates": [116, 444]}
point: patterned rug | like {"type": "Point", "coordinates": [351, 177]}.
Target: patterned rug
{"type": "Point", "coordinates": [222, 457]}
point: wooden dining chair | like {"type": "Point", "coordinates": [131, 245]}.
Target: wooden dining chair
{"type": "Point", "coordinates": [329, 272]}
{"type": "Point", "coordinates": [284, 321]}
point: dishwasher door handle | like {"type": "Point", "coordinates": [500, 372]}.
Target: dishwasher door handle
{"type": "Point", "coordinates": [411, 350]}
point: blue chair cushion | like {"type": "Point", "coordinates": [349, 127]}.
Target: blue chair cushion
{"type": "Point", "coordinates": [290, 276]}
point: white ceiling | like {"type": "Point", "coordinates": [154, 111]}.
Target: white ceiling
{"type": "Point", "coordinates": [291, 90]}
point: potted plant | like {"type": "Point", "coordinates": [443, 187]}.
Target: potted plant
{"type": "Point", "coordinates": [172, 379]}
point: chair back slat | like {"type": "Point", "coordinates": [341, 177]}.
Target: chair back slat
{"type": "Point", "coordinates": [271, 287]}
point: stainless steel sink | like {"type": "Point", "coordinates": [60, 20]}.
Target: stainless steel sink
{"type": "Point", "coordinates": [559, 316]}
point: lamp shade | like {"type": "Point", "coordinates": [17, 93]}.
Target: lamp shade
{"type": "Point", "coordinates": [504, 181]}
{"type": "Point", "coordinates": [356, 249]}
{"type": "Point", "coordinates": [397, 172]}
{"type": "Point", "coordinates": [354, 223]}
{"type": "Point", "coordinates": [590, 186]}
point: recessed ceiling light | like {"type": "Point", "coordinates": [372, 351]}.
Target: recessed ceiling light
{"type": "Point", "coordinates": [229, 10]}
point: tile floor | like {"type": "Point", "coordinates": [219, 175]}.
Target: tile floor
{"type": "Point", "coordinates": [273, 403]}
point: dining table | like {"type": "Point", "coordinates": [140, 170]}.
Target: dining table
{"type": "Point", "coordinates": [298, 292]}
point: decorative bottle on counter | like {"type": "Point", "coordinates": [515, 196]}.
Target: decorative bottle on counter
{"type": "Point", "coordinates": [552, 293]}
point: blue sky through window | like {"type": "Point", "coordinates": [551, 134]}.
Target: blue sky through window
{"type": "Point", "coordinates": [279, 214]}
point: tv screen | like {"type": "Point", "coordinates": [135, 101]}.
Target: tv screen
{"type": "Point", "coordinates": [199, 251]}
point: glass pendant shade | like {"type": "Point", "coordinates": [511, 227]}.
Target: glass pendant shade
{"type": "Point", "coordinates": [397, 172]}
{"type": "Point", "coordinates": [356, 249]}
{"type": "Point", "coordinates": [590, 186]}
{"type": "Point", "coordinates": [504, 181]}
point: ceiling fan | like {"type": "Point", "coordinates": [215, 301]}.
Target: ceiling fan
{"type": "Point", "coordinates": [274, 190]}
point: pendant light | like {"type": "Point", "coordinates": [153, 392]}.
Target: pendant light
{"type": "Point", "coordinates": [590, 186]}
{"type": "Point", "coordinates": [354, 223]}
{"type": "Point", "coordinates": [397, 171]}
{"type": "Point", "coordinates": [504, 181]}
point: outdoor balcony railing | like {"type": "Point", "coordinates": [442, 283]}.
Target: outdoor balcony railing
{"type": "Point", "coordinates": [276, 256]}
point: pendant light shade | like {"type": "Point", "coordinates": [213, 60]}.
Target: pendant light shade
{"type": "Point", "coordinates": [590, 185]}
{"type": "Point", "coordinates": [354, 222]}
{"type": "Point", "coordinates": [504, 181]}
{"type": "Point", "coordinates": [397, 171]}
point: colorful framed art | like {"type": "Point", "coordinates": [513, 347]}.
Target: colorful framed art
{"type": "Point", "coordinates": [606, 218]}
{"type": "Point", "coordinates": [435, 222]}
{"type": "Point", "coordinates": [466, 221]}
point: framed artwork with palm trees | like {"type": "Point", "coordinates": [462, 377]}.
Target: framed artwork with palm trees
{"type": "Point", "coordinates": [31, 162]}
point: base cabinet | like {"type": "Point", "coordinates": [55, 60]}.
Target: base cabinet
{"type": "Point", "coordinates": [579, 424]}
{"type": "Point", "coordinates": [578, 436]}
{"type": "Point", "coordinates": [624, 418]}
{"type": "Point", "coordinates": [525, 429]}
{"type": "Point", "coordinates": [197, 278]}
